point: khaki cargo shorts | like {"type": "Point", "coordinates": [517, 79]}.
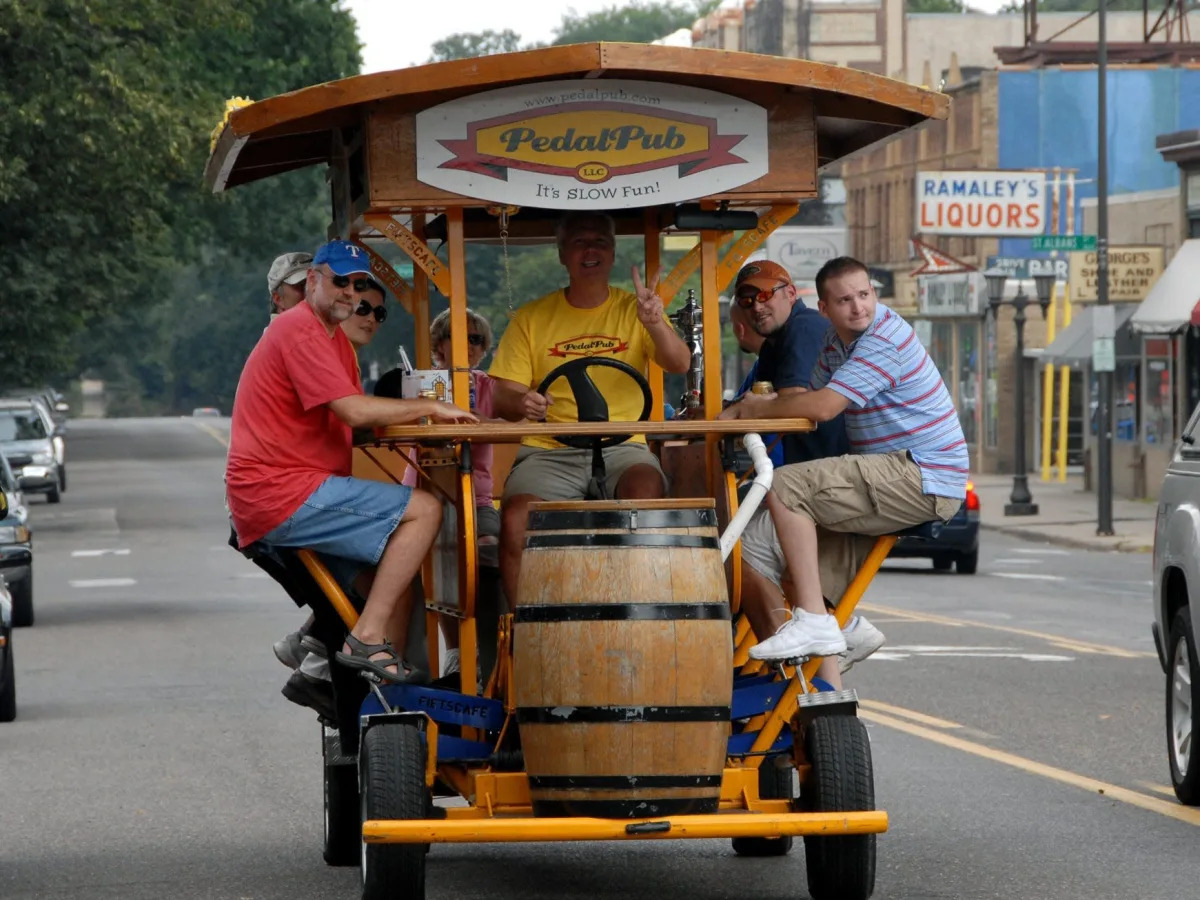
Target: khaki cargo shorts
{"type": "Point", "coordinates": [851, 499]}
{"type": "Point", "coordinates": [566, 474]}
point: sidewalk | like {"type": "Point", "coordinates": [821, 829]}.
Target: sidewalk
{"type": "Point", "coordinates": [1066, 515]}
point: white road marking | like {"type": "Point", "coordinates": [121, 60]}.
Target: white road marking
{"type": "Point", "coordinates": [1028, 576]}
{"type": "Point", "coordinates": [103, 582]}
{"type": "Point", "coordinates": [1041, 552]}
{"type": "Point", "coordinates": [121, 552]}
{"type": "Point", "coordinates": [896, 653]}
{"type": "Point", "coordinates": [253, 575]}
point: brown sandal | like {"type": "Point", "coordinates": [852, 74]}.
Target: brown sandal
{"type": "Point", "coordinates": [360, 655]}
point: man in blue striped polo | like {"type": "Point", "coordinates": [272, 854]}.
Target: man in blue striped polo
{"type": "Point", "coordinates": [908, 463]}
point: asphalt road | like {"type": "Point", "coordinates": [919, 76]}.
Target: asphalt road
{"type": "Point", "coordinates": [1015, 717]}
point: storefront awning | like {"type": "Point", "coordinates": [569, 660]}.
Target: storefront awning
{"type": "Point", "coordinates": [1173, 300]}
{"type": "Point", "coordinates": [1074, 345]}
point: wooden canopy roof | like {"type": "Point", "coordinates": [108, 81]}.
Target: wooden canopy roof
{"type": "Point", "coordinates": [852, 108]}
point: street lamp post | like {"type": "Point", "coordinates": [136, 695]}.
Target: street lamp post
{"type": "Point", "coordinates": [1020, 500]}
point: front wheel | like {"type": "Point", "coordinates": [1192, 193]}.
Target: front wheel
{"type": "Point", "coordinates": [775, 782]}
{"type": "Point", "coordinates": [967, 563]}
{"type": "Point", "coordinates": [8, 686]}
{"type": "Point", "coordinates": [52, 495]}
{"type": "Point", "coordinates": [1183, 700]}
{"type": "Point", "coordinates": [22, 598]}
{"type": "Point", "coordinates": [343, 828]}
{"type": "Point", "coordinates": [942, 562]}
{"type": "Point", "coordinates": [839, 779]}
{"type": "Point", "coordinates": [392, 780]}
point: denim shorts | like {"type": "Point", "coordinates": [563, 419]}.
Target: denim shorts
{"type": "Point", "coordinates": [351, 518]}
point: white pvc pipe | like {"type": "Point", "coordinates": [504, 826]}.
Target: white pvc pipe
{"type": "Point", "coordinates": [764, 472]}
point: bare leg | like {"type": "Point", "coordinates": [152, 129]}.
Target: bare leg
{"type": "Point", "coordinates": [762, 602]}
{"type": "Point", "coordinates": [798, 539]}
{"type": "Point", "coordinates": [514, 515]}
{"type": "Point", "coordinates": [640, 482]}
{"type": "Point", "coordinates": [389, 601]}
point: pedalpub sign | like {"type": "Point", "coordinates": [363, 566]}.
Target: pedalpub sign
{"type": "Point", "coordinates": [594, 145]}
{"type": "Point", "coordinates": [995, 204]}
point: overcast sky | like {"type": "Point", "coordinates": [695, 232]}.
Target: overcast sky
{"type": "Point", "coordinates": [399, 33]}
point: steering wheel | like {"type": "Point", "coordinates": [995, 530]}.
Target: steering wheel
{"type": "Point", "coordinates": [590, 402]}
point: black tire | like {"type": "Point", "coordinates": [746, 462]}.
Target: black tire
{"type": "Point", "coordinates": [22, 598]}
{"type": "Point", "coordinates": [52, 495]}
{"type": "Point", "coordinates": [839, 779]}
{"type": "Point", "coordinates": [62, 478]}
{"type": "Point", "coordinates": [343, 824]}
{"type": "Point", "coordinates": [967, 563]}
{"type": "Point", "coordinates": [775, 782]}
{"type": "Point", "coordinates": [1183, 685]}
{"type": "Point", "coordinates": [8, 686]}
{"type": "Point", "coordinates": [942, 562]}
{"type": "Point", "coordinates": [392, 775]}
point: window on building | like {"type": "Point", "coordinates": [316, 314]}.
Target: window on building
{"type": "Point", "coordinates": [967, 393]}
{"type": "Point", "coordinates": [1159, 392]}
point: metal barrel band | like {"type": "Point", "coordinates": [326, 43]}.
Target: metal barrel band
{"type": "Point", "coordinates": [548, 541]}
{"type": "Point", "coordinates": [562, 715]}
{"type": "Point", "coordinates": [555, 520]}
{"type": "Point", "coordinates": [622, 612]}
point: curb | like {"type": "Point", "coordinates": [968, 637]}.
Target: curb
{"type": "Point", "coordinates": [1119, 545]}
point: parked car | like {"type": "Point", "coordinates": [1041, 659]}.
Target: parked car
{"type": "Point", "coordinates": [34, 446]}
{"type": "Point", "coordinates": [16, 546]}
{"type": "Point", "coordinates": [1176, 591]}
{"type": "Point", "coordinates": [8, 677]}
{"type": "Point", "coordinates": [52, 399]}
{"type": "Point", "coordinates": [954, 543]}
{"type": "Point", "coordinates": [205, 412]}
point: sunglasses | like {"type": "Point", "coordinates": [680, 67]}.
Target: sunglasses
{"type": "Point", "coordinates": [360, 285]}
{"type": "Point", "coordinates": [747, 298]}
{"type": "Point", "coordinates": [366, 309]}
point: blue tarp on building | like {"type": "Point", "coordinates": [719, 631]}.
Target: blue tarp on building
{"type": "Point", "coordinates": [1048, 117]}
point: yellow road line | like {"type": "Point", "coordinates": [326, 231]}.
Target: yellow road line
{"type": "Point", "coordinates": [912, 714]}
{"type": "Point", "coordinates": [213, 433]}
{"type": "Point", "coordinates": [1158, 788]}
{"type": "Point", "coordinates": [1113, 792]}
{"type": "Point", "coordinates": [1066, 643]}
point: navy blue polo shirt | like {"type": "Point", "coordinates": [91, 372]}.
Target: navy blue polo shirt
{"type": "Point", "coordinates": [787, 359]}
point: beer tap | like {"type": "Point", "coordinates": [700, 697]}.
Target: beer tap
{"type": "Point", "coordinates": [691, 328]}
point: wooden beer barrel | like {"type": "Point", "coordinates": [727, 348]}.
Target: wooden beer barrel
{"type": "Point", "coordinates": [623, 658]}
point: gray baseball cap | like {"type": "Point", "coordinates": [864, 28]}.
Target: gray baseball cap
{"type": "Point", "coordinates": [290, 268]}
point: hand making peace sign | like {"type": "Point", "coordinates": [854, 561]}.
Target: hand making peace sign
{"type": "Point", "coordinates": [650, 305]}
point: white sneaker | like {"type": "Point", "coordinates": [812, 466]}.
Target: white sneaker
{"type": "Point", "coordinates": [451, 665]}
{"type": "Point", "coordinates": [804, 634]}
{"type": "Point", "coordinates": [862, 639]}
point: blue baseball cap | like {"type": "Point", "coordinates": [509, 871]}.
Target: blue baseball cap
{"type": "Point", "coordinates": [344, 258]}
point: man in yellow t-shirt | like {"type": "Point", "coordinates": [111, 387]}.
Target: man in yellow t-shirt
{"type": "Point", "coordinates": [586, 318]}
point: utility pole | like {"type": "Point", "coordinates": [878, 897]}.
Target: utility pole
{"type": "Point", "coordinates": [1104, 521]}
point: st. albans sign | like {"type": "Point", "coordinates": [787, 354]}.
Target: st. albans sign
{"type": "Point", "coordinates": [592, 145]}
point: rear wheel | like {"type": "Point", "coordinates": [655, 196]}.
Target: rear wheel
{"type": "Point", "coordinates": [343, 827]}
{"type": "Point", "coordinates": [62, 478]}
{"type": "Point", "coordinates": [839, 779]}
{"type": "Point", "coordinates": [1183, 701]}
{"type": "Point", "coordinates": [22, 598]}
{"type": "Point", "coordinates": [775, 782]}
{"type": "Point", "coordinates": [967, 563]}
{"type": "Point", "coordinates": [942, 562]}
{"type": "Point", "coordinates": [8, 685]}
{"type": "Point", "coordinates": [52, 495]}
{"type": "Point", "coordinates": [392, 771]}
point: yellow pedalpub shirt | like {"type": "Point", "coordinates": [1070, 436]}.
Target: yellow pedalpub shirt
{"type": "Point", "coordinates": [548, 332]}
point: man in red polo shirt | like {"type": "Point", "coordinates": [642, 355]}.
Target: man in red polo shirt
{"type": "Point", "coordinates": [288, 477]}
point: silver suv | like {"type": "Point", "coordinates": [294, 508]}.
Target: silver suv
{"type": "Point", "coordinates": [1176, 592]}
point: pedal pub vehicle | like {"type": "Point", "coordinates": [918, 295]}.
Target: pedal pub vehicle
{"type": "Point", "coordinates": [619, 699]}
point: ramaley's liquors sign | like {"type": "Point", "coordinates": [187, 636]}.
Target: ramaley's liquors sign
{"type": "Point", "coordinates": [998, 204]}
{"type": "Point", "coordinates": [592, 145]}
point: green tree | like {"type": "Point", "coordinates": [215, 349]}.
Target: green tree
{"type": "Point", "coordinates": [641, 21]}
{"type": "Point", "coordinates": [465, 45]}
